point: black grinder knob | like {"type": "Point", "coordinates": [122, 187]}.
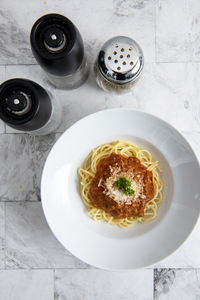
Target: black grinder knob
{"type": "Point", "coordinates": [55, 40]}
{"type": "Point", "coordinates": [24, 104]}
{"type": "Point", "coordinates": [17, 102]}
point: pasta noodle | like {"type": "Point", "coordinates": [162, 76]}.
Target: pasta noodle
{"type": "Point", "coordinates": [125, 149]}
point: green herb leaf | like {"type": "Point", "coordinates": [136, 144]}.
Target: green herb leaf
{"type": "Point", "coordinates": [124, 185]}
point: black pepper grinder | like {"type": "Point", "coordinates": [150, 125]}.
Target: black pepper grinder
{"type": "Point", "coordinates": [58, 47]}
{"type": "Point", "coordinates": [26, 106]}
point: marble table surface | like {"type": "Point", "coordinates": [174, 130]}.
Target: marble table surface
{"type": "Point", "coordinates": [33, 265]}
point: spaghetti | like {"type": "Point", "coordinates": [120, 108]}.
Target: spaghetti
{"type": "Point", "coordinates": [126, 150]}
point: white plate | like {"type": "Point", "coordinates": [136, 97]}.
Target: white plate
{"type": "Point", "coordinates": [103, 245]}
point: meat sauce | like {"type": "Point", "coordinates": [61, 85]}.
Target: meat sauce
{"type": "Point", "coordinates": [99, 197]}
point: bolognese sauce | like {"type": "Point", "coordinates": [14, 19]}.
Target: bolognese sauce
{"type": "Point", "coordinates": [105, 194]}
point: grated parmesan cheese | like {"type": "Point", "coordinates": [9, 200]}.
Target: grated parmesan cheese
{"type": "Point", "coordinates": [100, 181]}
{"type": "Point", "coordinates": [118, 196]}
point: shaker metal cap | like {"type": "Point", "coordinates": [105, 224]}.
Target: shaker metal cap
{"type": "Point", "coordinates": [120, 60]}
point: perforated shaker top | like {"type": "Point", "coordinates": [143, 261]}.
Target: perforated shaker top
{"type": "Point", "coordinates": [120, 60]}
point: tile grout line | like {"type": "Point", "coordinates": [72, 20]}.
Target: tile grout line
{"type": "Point", "coordinates": [5, 236]}
{"type": "Point", "coordinates": [20, 201]}
{"type": "Point", "coordinates": [153, 283]}
{"type": "Point", "coordinates": [61, 132]}
{"type": "Point", "coordinates": [4, 78]}
{"type": "Point", "coordinates": [5, 70]}
{"type": "Point", "coordinates": [54, 283]}
{"type": "Point", "coordinates": [146, 62]}
{"type": "Point", "coordinates": [50, 271]}
{"type": "Point", "coordinates": [155, 26]}
{"type": "Point", "coordinates": [27, 64]}
{"type": "Point", "coordinates": [97, 269]}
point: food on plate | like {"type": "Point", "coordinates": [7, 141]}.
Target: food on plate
{"type": "Point", "coordinates": [120, 184]}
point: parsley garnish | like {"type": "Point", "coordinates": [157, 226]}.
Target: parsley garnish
{"type": "Point", "coordinates": [124, 185]}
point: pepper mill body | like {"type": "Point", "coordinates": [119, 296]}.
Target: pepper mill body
{"type": "Point", "coordinates": [28, 107]}
{"type": "Point", "coordinates": [58, 47]}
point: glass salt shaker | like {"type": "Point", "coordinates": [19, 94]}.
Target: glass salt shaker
{"type": "Point", "coordinates": [119, 64]}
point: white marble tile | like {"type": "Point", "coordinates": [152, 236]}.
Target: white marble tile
{"type": "Point", "coordinates": [2, 78]}
{"type": "Point", "coordinates": [168, 90]}
{"type": "Point", "coordinates": [187, 256]}
{"type": "Point", "coordinates": [17, 168]}
{"type": "Point", "coordinates": [194, 7]}
{"type": "Point", "coordinates": [26, 285]}
{"type": "Point", "coordinates": [2, 234]}
{"type": "Point", "coordinates": [14, 34]}
{"type": "Point", "coordinates": [176, 284]}
{"type": "Point", "coordinates": [76, 103]}
{"type": "Point", "coordinates": [2, 127]}
{"type": "Point", "coordinates": [112, 18]}
{"type": "Point", "coordinates": [31, 72]}
{"type": "Point", "coordinates": [29, 241]}
{"type": "Point", "coordinates": [172, 31]}
{"type": "Point", "coordinates": [178, 30]}
{"type": "Point", "coordinates": [99, 284]}
{"type": "Point", "coordinates": [2, 74]}
{"type": "Point", "coordinates": [42, 147]}
{"type": "Point", "coordinates": [22, 160]}
{"type": "Point", "coordinates": [106, 19]}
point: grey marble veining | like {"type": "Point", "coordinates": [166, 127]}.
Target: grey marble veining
{"type": "Point", "coordinates": [169, 91]}
{"type": "Point", "coordinates": [195, 28]}
{"type": "Point", "coordinates": [32, 72]}
{"type": "Point", "coordinates": [2, 78]}
{"type": "Point", "coordinates": [29, 241]}
{"type": "Point", "coordinates": [22, 160]}
{"type": "Point", "coordinates": [99, 284]}
{"type": "Point", "coordinates": [17, 168]}
{"type": "Point", "coordinates": [178, 30]}
{"type": "Point", "coordinates": [2, 127]}
{"type": "Point", "coordinates": [106, 19]}
{"type": "Point", "coordinates": [2, 73]}
{"type": "Point", "coordinates": [127, 8]}
{"type": "Point", "coordinates": [26, 285]}
{"type": "Point", "coordinates": [14, 40]}
{"type": "Point", "coordinates": [2, 235]}
{"type": "Point", "coordinates": [169, 32]}
{"type": "Point", "coordinates": [176, 284]}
